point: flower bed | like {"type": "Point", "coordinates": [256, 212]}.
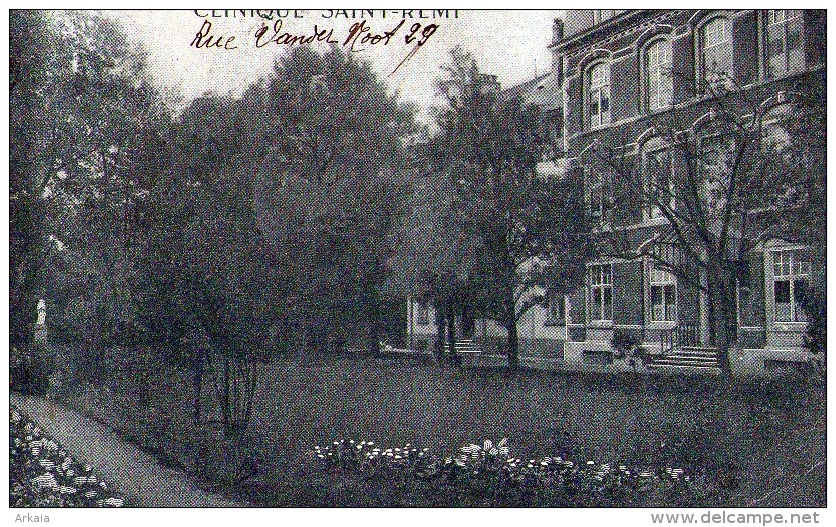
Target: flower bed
{"type": "Point", "coordinates": [42, 474]}
{"type": "Point", "coordinates": [491, 470]}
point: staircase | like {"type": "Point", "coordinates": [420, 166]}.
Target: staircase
{"type": "Point", "coordinates": [463, 346]}
{"type": "Point", "coordinates": [686, 357]}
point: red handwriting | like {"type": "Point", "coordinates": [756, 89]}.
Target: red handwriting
{"type": "Point", "coordinates": [262, 38]}
{"type": "Point", "coordinates": [360, 34]}
{"type": "Point", "coordinates": [203, 39]}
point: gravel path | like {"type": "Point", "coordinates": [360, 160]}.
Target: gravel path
{"type": "Point", "coordinates": [124, 467]}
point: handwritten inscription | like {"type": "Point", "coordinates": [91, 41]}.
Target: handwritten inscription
{"type": "Point", "coordinates": [360, 36]}
{"type": "Point", "coordinates": [203, 38]}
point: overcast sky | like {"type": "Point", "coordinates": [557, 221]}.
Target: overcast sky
{"type": "Point", "coordinates": [509, 44]}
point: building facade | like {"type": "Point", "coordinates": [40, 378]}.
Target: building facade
{"type": "Point", "coordinates": [617, 76]}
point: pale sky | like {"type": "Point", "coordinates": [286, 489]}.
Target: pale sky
{"type": "Point", "coordinates": [509, 44]}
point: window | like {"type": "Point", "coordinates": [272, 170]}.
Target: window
{"type": "Point", "coordinates": [662, 295]}
{"type": "Point", "coordinates": [784, 53]}
{"type": "Point", "coordinates": [716, 52]}
{"type": "Point", "coordinates": [423, 315]}
{"type": "Point", "coordinates": [791, 274]}
{"type": "Point", "coordinates": [556, 309]}
{"type": "Point", "coordinates": [599, 15]}
{"type": "Point", "coordinates": [658, 71]}
{"type": "Point", "coordinates": [599, 196]}
{"type": "Point", "coordinates": [599, 95]}
{"type": "Point", "coordinates": [600, 293]}
{"type": "Point", "coordinates": [658, 176]}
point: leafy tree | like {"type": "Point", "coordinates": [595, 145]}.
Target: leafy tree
{"type": "Point", "coordinates": [331, 184]}
{"type": "Point", "coordinates": [87, 144]}
{"type": "Point", "coordinates": [523, 224]}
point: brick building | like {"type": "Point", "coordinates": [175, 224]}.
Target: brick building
{"type": "Point", "coordinates": [617, 79]}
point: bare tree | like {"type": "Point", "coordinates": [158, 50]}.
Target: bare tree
{"type": "Point", "coordinates": [723, 187]}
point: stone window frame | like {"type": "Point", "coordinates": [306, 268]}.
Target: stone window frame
{"type": "Point", "coordinates": [590, 91]}
{"type": "Point", "coordinates": [770, 249]}
{"type": "Point", "coordinates": [604, 286]}
{"type": "Point", "coordinates": [767, 21]}
{"type": "Point", "coordinates": [647, 74]}
{"type": "Point", "coordinates": [700, 38]}
{"type": "Point", "coordinates": [667, 279]}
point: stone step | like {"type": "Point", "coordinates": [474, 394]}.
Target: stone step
{"type": "Point", "coordinates": [684, 362]}
{"type": "Point", "coordinates": [679, 362]}
{"type": "Point", "coordinates": [685, 369]}
{"type": "Point", "coordinates": [694, 354]}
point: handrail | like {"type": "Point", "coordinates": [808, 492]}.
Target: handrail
{"type": "Point", "coordinates": [684, 334]}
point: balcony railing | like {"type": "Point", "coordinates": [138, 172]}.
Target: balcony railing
{"type": "Point", "coordinates": [684, 334]}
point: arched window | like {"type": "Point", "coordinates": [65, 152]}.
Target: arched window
{"type": "Point", "coordinates": [598, 98]}
{"type": "Point", "coordinates": [716, 52]}
{"type": "Point", "coordinates": [784, 49]}
{"type": "Point", "coordinates": [657, 165]}
{"type": "Point", "coordinates": [658, 75]}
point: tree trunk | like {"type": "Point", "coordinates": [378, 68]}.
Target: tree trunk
{"type": "Point", "coordinates": [451, 334]}
{"type": "Point", "coordinates": [723, 317]}
{"type": "Point", "coordinates": [373, 343]}
{"type": "Point", "coordinates": [511, 325]}
{"type": "Point", "coordinates": [513, 346]}
{"type": "Point", "coordinates": [440, 331]}
{"type": "Point", "coordinates": [197, 385]}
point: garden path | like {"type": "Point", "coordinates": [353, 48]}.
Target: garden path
{"type": "Point", "coordinates": [126, 469]}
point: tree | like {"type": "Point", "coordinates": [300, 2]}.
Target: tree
{"type": "Point", "coordinates": [737, 179]}
{"type": "Point", "coordinates": [86, 144]}
{"type": "Point", "coordinates": [523, 225]}
{"type": "Point", "coordinates": [330, 169]}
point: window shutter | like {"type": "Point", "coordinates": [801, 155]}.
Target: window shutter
{"type": "Point", "coordinates": [574, 105]}
{"type": "Point", "coordinates": [684, 80]}
{"type": "Point", "coordinates": [628, 293]}
{"type": "Point", "coordinates": [745, 48]}
{"type": "Point", "coordinates": [624, 88]}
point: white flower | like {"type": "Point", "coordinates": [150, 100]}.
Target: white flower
{"type": "Point", "coordinates": [63, 489]}
{"type": "Point", "coordinates": [45, 480]}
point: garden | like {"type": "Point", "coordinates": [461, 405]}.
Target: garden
{"type": "Point", "coordinates": [43, 474]}
{"type": "Point", "coordinates": [362, 431]}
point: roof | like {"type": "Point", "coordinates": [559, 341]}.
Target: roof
{"type": "Point", "coordinates": [544, 91]}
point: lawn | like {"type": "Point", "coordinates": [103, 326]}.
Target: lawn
{"type": "Point", "coordinates": [746, 444]}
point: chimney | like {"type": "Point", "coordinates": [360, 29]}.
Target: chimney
{"type": "Point", "coordinates": [557, 57]}
{"type": "Point", "coordinates": [557, 30]}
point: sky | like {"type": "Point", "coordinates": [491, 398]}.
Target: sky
{"type": "Point", "coordinates": [509, 44]}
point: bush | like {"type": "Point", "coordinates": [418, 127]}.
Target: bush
{"type": "Point", "coordinates": [489, 472]}
{"type": "Point", "coordinates": [627, 346]}
{"type": "Point", "coordinates": [816, 338]}
{"type": "Point", "coordinates": [29, 371]}
{"type": "Point", "coordinates": [42, 474]}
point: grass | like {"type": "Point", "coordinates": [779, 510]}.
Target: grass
{"type": "Point", "coordinates": [749, 444]}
